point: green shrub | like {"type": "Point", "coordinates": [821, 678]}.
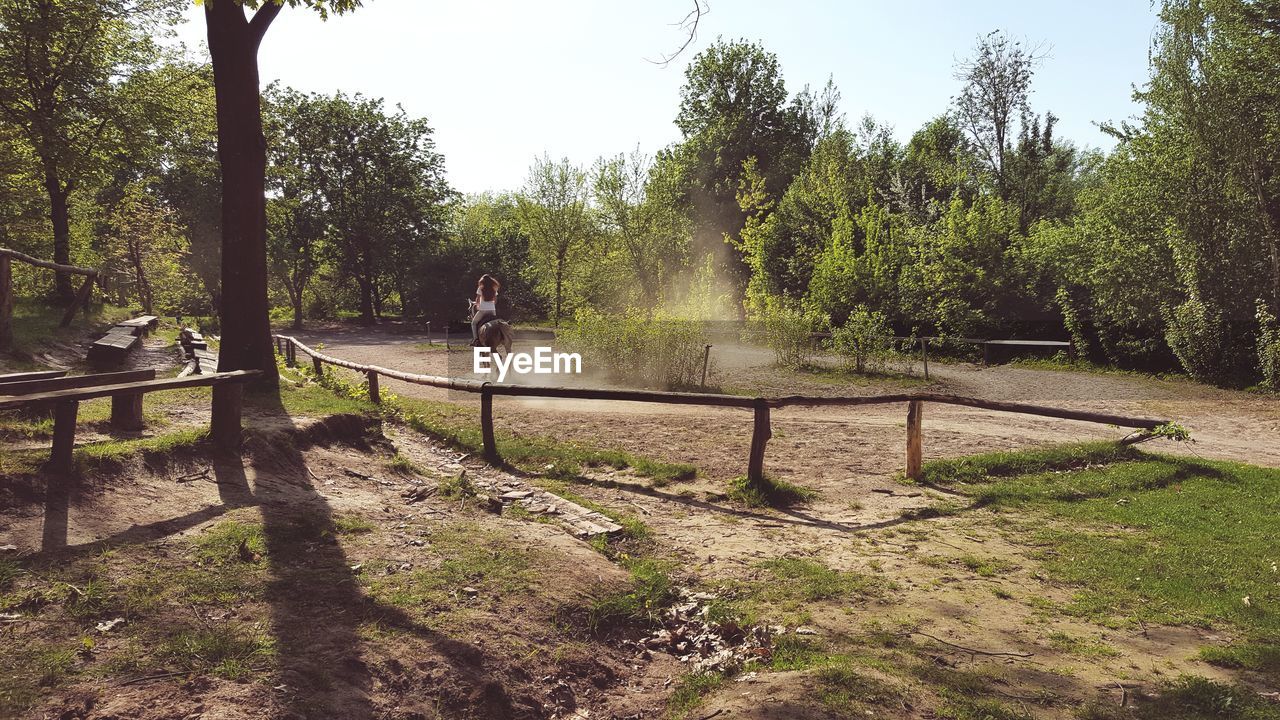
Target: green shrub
{"type": "Point", "coordinates": [787, 331]}
{"type": "Point", "coordinates": [1199, 337]}
{"type": "Point", "coordinates": [864, 343]}
{"type": "Point", "coordinates": [649, 351]}
{"type": "Point", "coordinates": [1268, 347]}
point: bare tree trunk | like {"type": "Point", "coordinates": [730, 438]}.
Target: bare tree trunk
{"type": "Point", "coordinates": [242, 155]}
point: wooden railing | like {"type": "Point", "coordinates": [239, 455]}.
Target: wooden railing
{"type": "Point", "coordinates": [760, 406]}
{"type": "Point", "coordinates": [125, 390]}
{"type": "Point", "coordinates": [6, 289]}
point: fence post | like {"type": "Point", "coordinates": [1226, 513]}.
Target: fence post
{"type": "Point", "coordinates": [924, 355]}
{"type": "Point", "coordinates": [224, 423]}
{"type": "Point", "coordinates": [6, 302]}
{"type": "Point", "coordinates": [126, 411]}
{"type": "Point", "coordinates": [374, 395]}
{"type": "Point", "coordinates": [486, 423]}
{"type": "Point", "coordinates": [706, 357]}
{"type": "Point", "coordinates": [760, 434]}
{"type": "Point", "coordinates": [446, 336]}
{"type": "Point", "coordinates": [915, 410]}
{"type": "Point", "coordinates": [64, 435]}
{"type": "Point", "coordinates": [428, 332]}
{"type": "Point", "coordinates": [318, 365]}
{"type": "Point", "coordinates": [290, 354]}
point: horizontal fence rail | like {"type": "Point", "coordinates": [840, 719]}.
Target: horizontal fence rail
{"type": "Point", "coordinates": [289, 346]}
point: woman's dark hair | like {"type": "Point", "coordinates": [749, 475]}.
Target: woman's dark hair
{"type": "Point", "coordinates": [488, 287]}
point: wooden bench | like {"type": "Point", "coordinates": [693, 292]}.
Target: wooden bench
{"type": "Point", "coordinates": [144, 323]}
{"type": "Point", "coordinates": [987, 346]}
{"type": "Point", "coordinates": [224, 426]}
{"type": "Point", "coordinates": [35, 375]}
{"type": "Point", "coordinates": [126, 410]}
{"type": "Point", "coordinates": [112, 347]}
{"type": "Point", "coordinates": [192, 340]}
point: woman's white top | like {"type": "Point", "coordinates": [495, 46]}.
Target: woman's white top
{"type": "Point", "coordinates": [488, 306]}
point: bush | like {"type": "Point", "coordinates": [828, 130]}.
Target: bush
{"type": "Point", "coordinates": [864, 343]}
{"type": "Point", "coordinates": [1197, 334]}
{"type": "Point", "coordinates": [1268, 347]}
{"type": "Point", "coordinates": [787, 331]}
{"type": "Point", "coordinates": [656, 351]}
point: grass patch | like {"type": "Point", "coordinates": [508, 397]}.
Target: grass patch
{"type": "Point", "coordinates": [690, 691]}
{"type": "Point", "coordinates": [226, 650]}
{"type": "Point", "coordinates": [1081, 646]}
{"type": "Point", "coordinates": [652, 590]}
{"type": "Point", "coordinates": [1058, 458]}
{"type": "Point", "coordinates": [468, 558]}
{"type": "Point", "coordinates": [1256, 656]}
{"type": "Point", "coordinates": [457, 487]}
{"type": "Point", "coordinates": [1157, 538]}
{"type": "Point", "coordinates": [770, 492]}
{"type": "Point", "coordinates": [1190, 698]}
{"type": "Point", "coordinates": [798, 579]}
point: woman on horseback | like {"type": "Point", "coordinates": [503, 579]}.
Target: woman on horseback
{"type": "Point", "coordinates": [486, 307]}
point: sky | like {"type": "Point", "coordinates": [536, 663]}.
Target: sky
{"type": "Point", "coordinates": [504, 81]}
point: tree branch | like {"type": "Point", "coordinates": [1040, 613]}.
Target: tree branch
{"type": "Point", "coordinates": [262, 19]}
{"type": "Point", "coordinates": [690, 25]}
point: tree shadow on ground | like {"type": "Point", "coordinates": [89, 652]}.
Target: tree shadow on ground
{"type": "Point", "coordinates": [318, 607]}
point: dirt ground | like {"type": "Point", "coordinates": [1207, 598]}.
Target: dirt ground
{"type": "Point", "coordinates": [850, 457]}
{"type": "Point", "coordinates": [516, 649]}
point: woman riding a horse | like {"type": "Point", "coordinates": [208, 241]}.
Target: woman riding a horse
{"type": "Point", "coordinates": [486, 305]}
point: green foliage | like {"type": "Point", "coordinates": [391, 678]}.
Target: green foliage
{"type": "Point", "coordinates": [652, 590]}
{"type": "Point", "coordinates": [787, 331]}
{"type": "Point", "coordinates": [863, 342]}
{"type": "Point", "coordinates": [638, 349]}
{"type": "Point", "coordinates": [769, 492]}
{"type": "Point", "coordinates": [1268, 347]}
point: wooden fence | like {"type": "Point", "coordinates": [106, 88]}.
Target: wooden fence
{"type": "Point", "coordinates": [760, 406]}
{"type": "Point", "coordinates": [6, 289]}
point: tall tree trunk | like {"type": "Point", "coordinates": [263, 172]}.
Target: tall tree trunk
{"type": "Point", "coordinates": [242, 155]}
{"type": "Point", "coordinates": [60, 217]}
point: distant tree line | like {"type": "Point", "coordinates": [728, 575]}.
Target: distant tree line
{"type": "Point", "coordinates": [1163, 253]}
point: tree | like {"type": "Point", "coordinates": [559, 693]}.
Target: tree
{"type": "Point", "coordinates": [652, 236]}
{"type": "Point", "coordinates": [61, 63]}
{"type": "Point", "coordinates": [997, 85]}
{"type": "Point", "coordinates": [733, 107]}
{"type": "Point", "coordinates": [145, 244]}
{"type": "Point", "coordinates": [242, 157]}
{"type": "Point", "coordinates": [358, 186]}
{"type": "Point", "coordinates": [553, 210]}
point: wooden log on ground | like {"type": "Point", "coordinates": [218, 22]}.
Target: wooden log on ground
{"type": "Point", "coordinates": [224, 423]}
{"type": "Point", "coordinates": [64, 436]}
{"type": "Point", "coordinates": [486, 425]}
{"type": "Point", "coordinates": [915, 448]}
{"type": "Point", "coordinates": [760, 434]}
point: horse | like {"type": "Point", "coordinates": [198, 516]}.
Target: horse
{"type": "Point", "coordinates": [494, 334]}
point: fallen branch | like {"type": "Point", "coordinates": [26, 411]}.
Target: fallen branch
{"type": "Point", "coordinates": [975, 651]}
